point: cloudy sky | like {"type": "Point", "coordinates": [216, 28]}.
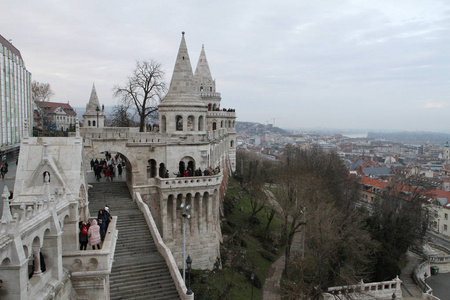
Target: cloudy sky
{"type": "Point", "coordinates": [377, 64]}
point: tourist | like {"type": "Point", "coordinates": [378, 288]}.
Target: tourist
{"type": "Point", "coordinates": [83, 235]}
{"type": "Point", "coordinates": [102, 222]}
{"type": "Point", "coordinates": [119, 169]}
{"type": "Point", "coordinates": [94, 235]}
{"type": "Point", "coordinates": [107, 174]}
{"type": "Point", "coordinates": [167, 174]}
{"type": "Point", "coordinates": [108, 216]}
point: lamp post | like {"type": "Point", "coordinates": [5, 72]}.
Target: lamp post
{"type": "Point", "coordinates": [252, 277]}
{"type": "Point", "coordinates": [97, 110]}
{"type": "Point", "coordinates": [185, 214]}
{"type": "Point", "coordinates": [189, 264]}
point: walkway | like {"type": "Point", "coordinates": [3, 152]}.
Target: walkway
{"type": "Point", "coordinates": [409, 287]}
{"type": "Point", "coordinates": [139, 271]}
{"type": "Point", "coordinates": [271, 288]}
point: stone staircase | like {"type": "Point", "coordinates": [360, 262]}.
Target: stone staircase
{"type": "Point", "coordinates": [139, 271]}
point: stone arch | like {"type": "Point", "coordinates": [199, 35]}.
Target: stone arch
{"type": "Point", "coordinates": [231, 144]}
{"type": "Point", "coordinates": [25, 250]}
{"type": "Point", "coordinates": [221, 124]}
{"type": "Point", "coordinates": [229, 124]}
{"type": "Point", "coordinates": [191, 123]}
{"type": "Point", "coordinates": [163, 124]}
{"type": "Point", "coordinates": [93, 123]}
{"type": "Point", "coordinates": [214, 125]}
{"type": "Point", "coordinates": [214, 106]}
{"type": "Point", "coordinates": [209, 106]}
{"type": "Point", "coordinates": [186, 163]}
{"type": "Point", "coordinates": [5, 262]}
{"type": "Point", "coordinates": [200, 123]}
{"type": "Point", "coordinates": [162, 170]}
{"type": "Point", "coordinates": [151, 168]}
{"type": "Point", "coordinates": [179, 123]}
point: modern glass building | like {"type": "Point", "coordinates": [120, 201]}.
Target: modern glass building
{"type": "Point", "coordinates": [15, 97]}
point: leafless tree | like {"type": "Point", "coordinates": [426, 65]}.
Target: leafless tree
{"type": "Point", "coordinates": [41, 91]}
{"type": "Point", "coordinates": [121, 117]}
{"type": "Point", "coordinates": [143, 90]}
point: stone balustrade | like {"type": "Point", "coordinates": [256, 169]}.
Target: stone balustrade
{"type": "Point", "coordinates": [418, 276]}
{"type": "Point", "coordinates": [90, 262]}
{"type": "Point", "coordinates": [378, 290]}
{"type": "Point", "coordinates": [163, 249]}
{"type": "Point", "coordinates": [221, 114]}
{"type": "Point", "coordinates": [194, 181]}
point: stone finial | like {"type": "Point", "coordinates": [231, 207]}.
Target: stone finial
{"type": "Point", "coordinates": [25, 129]}
{"type": "Point", "coordinates": [77, 128]}
{"type": "Point", "coordinates": [45, 151]}
{"type": "Point", "coordinates": [6, 214]}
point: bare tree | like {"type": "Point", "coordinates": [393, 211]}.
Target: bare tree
{"type": "Point", "coordinates": [121, 117]}
{"type": "Point", "coordinates": [41, 91]}
{"type": "Point", "coordinates": [144, 89]}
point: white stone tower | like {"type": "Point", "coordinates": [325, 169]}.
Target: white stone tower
{"type": "Point", "coordinates": [182, 110]}
{"type": "Point", "coordinates": [205, 84]}
{"type": "Point", "coordinates": [95, 115]}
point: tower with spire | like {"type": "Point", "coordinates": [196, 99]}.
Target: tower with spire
{"type": "Point", "coordinates": [94, 117]}
{"type": "Point", "coordinates": [205, 84]}
{"type": "Point", "coordinates": [182, 110]}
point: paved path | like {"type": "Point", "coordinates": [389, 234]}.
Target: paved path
{"type": "Point", "coordinates": [409, 287]}
{"type": "Point", "coordinates": [271, 288]}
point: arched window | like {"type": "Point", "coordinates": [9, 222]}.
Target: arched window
{"type": "Point", "coordinates": [231, 144]}
{"type": "Point", "coordinates": [209, 106]}
{"type": "Point", "coordinates": [89, 123]}
{"type": "Point", "coordinates": [200, 123]}
{"type": "Point", "coordinates": [190, 123]}
{"type": "Point", "coordinates": [214, 106]}
{"type": "Point", "coordinates": [210, 88]}
{"type": "Point", "coordinates": [214, 126]}
{"type": "Point", "coordinates": [221, 124]}
{"type": "Point", "coordinates": [201, 88]}
{"type": "Point", "coordinates": [151, 168]}
{"type": "Point", "coordinates": [163, 124]}
{"type": "Point", "coordinates": [93, 123]}
{"type": "Point", "coordinates": [162, 170]}
{"type": "Point", "coordinates": [179, 125]}
{"type": "Point", "coordinates": [229, 124]}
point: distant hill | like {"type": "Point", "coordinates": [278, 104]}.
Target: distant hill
{"type": "Point", "coordinates": [251, 128]}
{"type": "Point", "coordinates": [411, 137]}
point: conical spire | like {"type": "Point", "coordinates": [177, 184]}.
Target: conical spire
{"type": "Point", "coordinates": [93, 101]}
{"type": "Point", "coordinates": [203, 78]}
{"type": "Point", "coordinates": [202, 71]}
{"type": "Point", "coordinates": [182, 90]}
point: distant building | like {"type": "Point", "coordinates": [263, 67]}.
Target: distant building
{"type": "Point", "coordinates": [15, 97]}
{"type": "Point", "coordinates": [56, 115]}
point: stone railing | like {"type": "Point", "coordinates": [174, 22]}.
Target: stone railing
{"type": "Point", "coordinates": [221, 114]}
{"type": "Point", "coordinates": [163, 250]}
{"type": "Point", "coordinates": [378, 290]}
{"type": "Point", "coordinates": [194, 181]}
{"type": "Point", "coordinates": [418, 276]}
{"type": "Point", "coordinates": [89, 262]}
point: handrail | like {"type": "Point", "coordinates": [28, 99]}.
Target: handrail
{"type": "Point", "coordinates": [163, 249]}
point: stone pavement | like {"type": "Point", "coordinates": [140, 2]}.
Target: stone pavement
{"type": "Point", "coordinates": [409, 287]}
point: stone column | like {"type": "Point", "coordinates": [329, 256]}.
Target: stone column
{"type": "Point", "coordinates": [210, 213]}
{"type": "Point", "coordinates": [174, 216]}
{"type": "Point", "coordinates": [200, 214]}
{"type": "Point", "coordinates": [163, 203]}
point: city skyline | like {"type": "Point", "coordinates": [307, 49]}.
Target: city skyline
{"type": "Point", "coordinates": [345, 64]}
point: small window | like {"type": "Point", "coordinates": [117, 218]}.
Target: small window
{"type": "Point", "coordinates": [445, 227]}
{"type": "Point", "coordinates": [446, 216]}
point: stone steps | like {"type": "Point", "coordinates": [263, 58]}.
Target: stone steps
{"type": "Point", "coordinates": [139, 271]}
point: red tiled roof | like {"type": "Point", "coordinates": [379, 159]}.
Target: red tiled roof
{"type": "Point", "coordinates": [50, 107]}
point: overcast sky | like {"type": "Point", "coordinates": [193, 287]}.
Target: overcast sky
{"type": "Point", "coordinates": [305, 64]}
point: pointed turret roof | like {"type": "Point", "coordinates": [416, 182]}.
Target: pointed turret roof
{"type": "Point", "coordinates": [93, 102]}
{"type": "Point", "coordinates": [202, 71]}
{"type": "Point", "coordinates": [182, 90]}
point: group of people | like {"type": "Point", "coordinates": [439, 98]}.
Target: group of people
{"type": "Point", "coordinates": [107, 166]}
{"type": "Point", "coordinates": [4, 169]}
{"type": "Point", "coordinates": [198, 172]}
{"type": "Point", "coordinates": [94, 232]}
